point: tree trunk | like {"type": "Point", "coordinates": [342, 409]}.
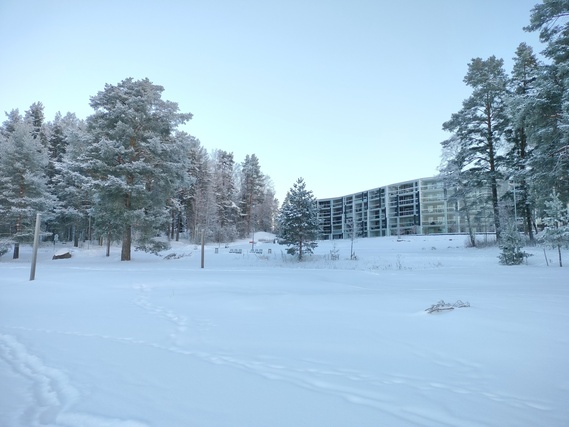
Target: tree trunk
{"type": "Point", "coordinates": [492, 164]}
{"type": "Point", "coordinates": [559, 252]}
{"type": "Point", "coordinates": [496, 207]}
{"type": "Point", "coordinates": [16, 253]}
{"type": "Point", "coordinates": [178, 226]}
{"type": "Point", "coordinates": [126, 243]}
{"type": "Point", "coordinates": [127, 235]}
{"type": "Point", "coordinates": [75, 236]}
{"type": "Point", "coordinates": [108, 244]}
{"type": "Point", "coordinates": [524, 186]}
{"type": "Point", "coordinates": [469, 223]}
{"type": "Point", "coordinates": [527, 211]}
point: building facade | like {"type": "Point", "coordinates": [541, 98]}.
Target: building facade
{"type": "Point", "coordinates": [421, 206]}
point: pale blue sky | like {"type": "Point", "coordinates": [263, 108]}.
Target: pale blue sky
{"type": "Point", "coordinates": [350, 95]}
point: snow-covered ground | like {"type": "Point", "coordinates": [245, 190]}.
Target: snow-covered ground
{"type": "Point", "coordinates": [259, 340]}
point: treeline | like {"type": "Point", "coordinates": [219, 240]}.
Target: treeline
{"type": "Point", "coordinates": [514, 129]}
{"type": "Point", "coordinates": [125, 174]}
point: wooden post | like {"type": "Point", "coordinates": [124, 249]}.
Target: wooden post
{"type": "Point", "coordinates": [36, 243]}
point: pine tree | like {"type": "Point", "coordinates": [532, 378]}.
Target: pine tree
{"type": "Point", "coordinates": [23, 185]}
{"type": "Point", "coordinates": [9, 125]}
{"type": "Point", "coordinates": [135, 160]}
{"type": "Point", "coordinates": [521, 109]}
{"type": "Point", "coordinates": [480, 124]}
{"type": "Point", "coordinates": [551, 19]}
{"type": "Point", "coordinates": [551, 119]}
{"type": "Point", "coordinates": [73, 187]}
{"type": "Point", "coordinates": [198, 196]}
{"type": "Point", "coordinates": [56, 143]}
{"type": "Point", "coordinates": [298, 220]}
{"type": "Point", "coordinates": [36, 117]}
{"type": "Point", "coordinates": [556, 221]}
{"type": "Point", "coordinates": [225, 193]}
{"type": "Point", "coordinates": [251, 194]}
{"type": "Point", "coordinates": [181, 204]}
{"type": "Point", "coordinates": [267, 210]}
{"type": "Point", "coordinates": [460, 183]}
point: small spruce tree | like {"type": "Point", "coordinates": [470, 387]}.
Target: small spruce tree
{"type": "Point", "coordinates": [511, 245]}
{"type": "Point", "coordinates": [556, 231]}
{"type": "Point", "coordinates": [298, 220]}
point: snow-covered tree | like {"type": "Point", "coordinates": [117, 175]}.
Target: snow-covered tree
{"type": "Point", "coordinates": [251, 193]}
{"type": "Point", "coordinates": [23, 184]}
{"type": "Point", "coordinates": [225, 189]}
{"type": "Point", "coordinates": [135, 160]}
{"type": "Point", "coordinates": [56, 143]}
{"type": "Point", "coordinates": [511, 245]}
{"type": "Point", "coordinates": [36, 117]}
{"type": "Point", "coordinates": [461, 183]}
{"type": "Point", "coordinates": [480, 124]}
{"type": "Point", "coordinates": [551, 120]}
{"type": "Point", "coordinates": [551, 19]}
{"type": "Point", "coordinates": [9, 125]}
{"type": "Point", "coordinates": [521, 110]}
{"type": "Point", "coordinates": [198, 198]}
{"type": "Point", "coordinates": [556, 231]}
{"type": "Point", "coordinates": [68, 141]}
{"type": "Point", "coordinates": [267, 210]}
{"type": "Point", "coordinates": [298, 220]}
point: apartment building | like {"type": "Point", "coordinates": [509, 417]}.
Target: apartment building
{"type": "Point", "coordinates": [421, 206]}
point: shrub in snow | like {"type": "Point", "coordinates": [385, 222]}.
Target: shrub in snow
{"type": "Point", "coordinates": [445, 306]}
{"type": "Point", "coordinates": [153, 246]}
{"type": "Point", "coordinates": [511, 244]}
{"type": "Point", "coordinates": [556, 231]}
{"type": "Point", "coordinates": [334, 253]}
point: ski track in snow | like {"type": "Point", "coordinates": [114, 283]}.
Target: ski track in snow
{"type": "Point", "coordinates": [52, 394]}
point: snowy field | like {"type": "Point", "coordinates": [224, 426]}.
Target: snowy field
{"type": "Point", "coordinates": [260, 341]}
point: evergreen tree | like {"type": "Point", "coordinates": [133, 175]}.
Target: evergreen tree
{"type": "Point", "coordinates": [23, 185]}
{"type": "Point", "coordinates": [182, 203]}
{"type": "Point", "coordinates": [9, 125]}
{"type": "Point", "coordinates": [56, 143]}
{"type": "Point", "coordinates": [251, 194]}
{"type": "Point", "coordinates": [521, 109]}
{"type": "Point", "coordinates": [198, 197]}
{"type": "Point", "coordinates": [551, 120]}
{"type": "Point", "coordinates": [135, 160]}
{"type": "Point", "coordinates": [298, 220]}
{"type": "Point", "coordinates": [480, 124]}
{"type": "Point", "coordinates": [225, 192]}
{"type": "Point", "coordinates": [551, 19]}
{"type": "Point", "coordinates": [549, 161]}
{"type": "Point", "coordinates": [72, 185]}
{"type": "Point", "coordinates": [556, 221]}
{"type": "Point", "coordinates": [511, 245]}
{"type": "Point", "coordinates": [267, 210]}
{"type": "Point", "coordinates": [36, 117]}
{"type": "Point", "coordinates": [461, 184]}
